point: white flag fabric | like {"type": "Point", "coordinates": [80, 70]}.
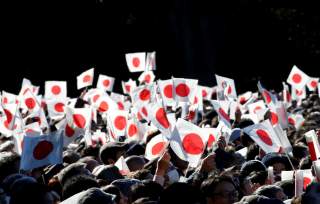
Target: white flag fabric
{"type": "Point", "coordinates": [85, 79]}
{"type": "Point", "coordinates": [166, 91]}
{"type": "Point", "coordinates": [312, 83]}
{"type": "Point", "coordinates": [41, 150]}
{"type": "Point", "coordinates": [254, 108]}
{"type": "Point", "coordinates": [132, 130]}
{"type": "Point", "coordinates": [268, 97]}
{"type": "Point", "coordinates": [158, 118]}
{"type": "Point", "coordinates": [104, 103]}
{"type": "Point", "coordinates": [117, 122]}
{"type": "Point", "coordinates": [264, 135]}
{"type": "Point", "coordinates": [155, 147]}
{"type": "Point", "coordinates": [128, 86]}
{"type": "Point", "coordinates": [151, 61]}
{"type": "Point", "coordinates": [227, 85]}
{"type": "Point", "coordinates": [122, 166]}
{"type": "Point", "coordinates": [55, 89]}
{"type": "Point", "coordinates": [146, 77]}
{"type": "Point", "coordinates": [297, 78]}
{"type": "Point", "coordinates": [136, 62]}
{"type": "Point", "coordinates": [206, 92]}
{"type": "Point", "coordinates": [105, 82]}
{"type": "Point", "coordinates": [143, 94]}
{"type": "Point", "coordinates": [184, 90]}
{"type": "Point", "coordinates": [243, 98]}
{"type": "Point", "coordinates": [286, 95]}
{"type": "Point", "coordinates": [8, 98]}
{"type": "Point", "coordinates": [313, 144]}
{"type": "Point", "coordinates": [213, 136]}
{"type": "Point", "coordinates": [223, 116]}
{"type": "Point", "coordinates": [188, 141]}
{"type": "Point", "coordinates": [56, 107]}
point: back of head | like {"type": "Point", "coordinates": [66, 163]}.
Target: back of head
{"type": "Point", "coordinates": [109, 152]}
{"type": "Point", "coordinates": [96, 196]}
{"type": "Point", "coordinates": [135, 162]}
{"type": "Point", "coordinates": [108, 173]}
{"type": "Point", "coordinates": [147, 189]}
{"type": "Point", "coordinates": [269, 191]}
{"type": "Point", "coordinates": [9, 164]}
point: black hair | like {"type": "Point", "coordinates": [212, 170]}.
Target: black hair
{"type": "Point", "coordinates": [9, 164]}
{"type": "Point", "coordinates": [147, 189]}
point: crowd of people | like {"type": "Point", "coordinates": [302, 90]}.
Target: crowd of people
{"type": "Point", "coordinates": [223, 175]}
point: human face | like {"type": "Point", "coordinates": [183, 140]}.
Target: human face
{"type": "Point", "coordinates": [225, 193]}
{"type": "Point", "coordinates": [278, 167]}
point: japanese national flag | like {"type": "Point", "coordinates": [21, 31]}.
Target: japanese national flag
{"type": "Point", "coordinates": [119, 99]}
{"type": "Point", "coordinates": [254, 108]}
{"type": "Point", "coordinates": [282, 114]}
{"type": "Point", "coordinates": [184, 90]}
{"type": "Point", "coordinates": [206, 92]}
{"type": "Point", "coordinates": [9, 112]}
{"type": "Point", "coordinates": [151, 61]}
{"type": "Point", "coordinates": [143, 94]}
{"type": "Point", "coordinates": [286, 95]}
{"type": "Point", "coordinates": [298, 94]}
{"type": "Point", "coordinates": [56, 107]}
{"type": "Point", "coordinates": [132, 130]}
{"type": "Point", "coordinates": [128, 86]}
{"type": "Point", "coordinates": [197, 102]}
{"type": "Point", "coordinates": [223, 116]}
{"type": "Point", "coordinates": [92, 95]}
{"type": "Point", "coordinates": [264, 135]}
{"type": "Point", "coordinates": [18, 142]}
{"type": "Point", "coordinates": [39, 117]}
{"type": "Point", "coordinates": [105, 82]}
{"type": "Point", "coordinates": [8, 98]}
{"type": "Point", "coordinates": [146, 77]}
{"type": "Point", "coordinates": [243, 98]}
{"type": "Point", "coordinates": [227, 85]}
{"type": "Point", "coordinates": [32, 129]}
{"type": "Point", "coordinates": [213, 136]}
{"type": "Point", "coordinates": [136, 61]}
{"type": "Point", "coordinates": [122, 166]}
{"type": "Point", "coordinates": [313, 144]}
{"type": "Point", "coordinates": [158, 117]}
{"type": "Point", "coordinates": [297, 78]}
{"type": "Point", "coordinates": [188, 141]}
{"type": "Point", "coordinates": [166, 91]}
{"type": "Point", "coordinates": [312, 83]}
{"type": "Point", "coordinates": [302, 179]}
{"type": "Point", "coordinates": [41, 150]}
{"type": "Point", "coordinates": [104, 103]}
{"type": "Point", "coordinates": [268, 97]}
{"type": "Point", "coordinates": [30, 102]}
{"type": "Point", "coordinates": [296, 120]}
{"type": "Point", "coordinates": [78, 122]}
{"type": "Point", "coordinates": [117, 122]}
{"type": "Point", "coordinates": [27, 85]}
{"type": "Point", "coordinates": [55, 89]}
{"type": "Point", "coordinates": [155, 147]}
{"type": "Point", "coordinates": [99, 137]}
{"type": "Point", "coordinates": [85, 79]}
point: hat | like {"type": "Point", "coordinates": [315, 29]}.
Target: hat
{"type": "Point", "coordinates": [250, 166]}
{"type": "Point", "coordinates": [92, 195]}
{"type": "Point", "coordinates": [272, 158]}
{"type": "Point", "coordinates": [110, 149]}
{"type": "Point", "coordinates": [108, 173]}
{"type": "Point", "coordinates": [125, 185]}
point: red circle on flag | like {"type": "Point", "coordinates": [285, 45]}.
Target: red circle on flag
{"type": "Point", "coordinates": [135, 62]}
{"type": "Point", "coordinates": [306, 182]}
{"type": "Point", "coordinates": [128, 88]}
{"type": "Point", "coordinates": [103, 107]}
{"type": "Point", "coordinates": [182, 90]}
{"type": "Point", "coordinates": [229, 90]}
{"type": "Point", "coordinates": [274, 118]}
{"type": "Point", "coordinates": [95, 98]}
{"type": "Point", "coordinates": [168, 91]}
{"type": "Point", "coordinates": [86, 78]}
{"type": "Point", "coordinates": [120, 122]}
{"type": "Point", "coordinates": [314, 84]}
{"type": "Point", "coordinates": [132, 130]}
{"type": "Point", "coordinates": [204, 93]}
{"type": "Point", "coordinates": [291, 121]}
{"type": "Point", "coordinates": [211, 140]}
{"type": "Point", "coordinates": [144, 111]}
{"type": "Point", "coordinates": [242, 100]}
{"type": "Point", "coordinates": [296, 78]}
{"type": "Point", "coordinates": [161, 117]}
{"type": "Point", "coordinates": [8, 114]}
{"type": "Point", "coordinates": [30, 103]}
{"type": "Point", "coordinates": [157, 148]}
{"type": "Point", "coordinates": [56, 90]}
{"type": "Point", "coordinates": [192, 144]}
{"type": "Point", "coordinates": [5, 100]}
{"type": "Point", "coordinates": [147, 78]}
{"type": "Point", "coordinates": [256, 109]}
{"type": "Point", "coordinates": [288, 96]}
{"type": "Point", "coordinates": [42, 150]}
{"type": "Point", "coordinates": [120, 105]}
{"type": "Point", "coordinates": [223, 114]}
{"type": "Point", "coordinates": [59, 107]}
{"type": "Point", "coordinates": [299, 93]}
{"type": "Point", "coordinates": [79, 120]}
{"type": "Point", "coordinates": [264, 136]}
{"type": "Point", "coordinates": [195, 101]}
{"type": "Point", "coordinates": [267, 96]}
{"type": "Point", "coordinates": [69, 132]}
{"type": "Point", "coordinates": [144, 95]}
{"type": "Point", "coordinates": [106, 82]}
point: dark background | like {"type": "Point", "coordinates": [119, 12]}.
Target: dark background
{"type": "Point", "coordinates": [244, 40]}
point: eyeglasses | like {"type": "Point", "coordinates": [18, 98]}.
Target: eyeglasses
{"type": "Point", "coordinates": [228, 194]}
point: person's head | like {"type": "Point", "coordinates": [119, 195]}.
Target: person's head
{"type": "Point", "coordinates": [9, 164]}
{"type": "Point", "coordinates": [278, 161]}
{"type": "Point", "coordinates": [180, 193]}
{"type": "Point", "coordinates": [120, 198]}
{"type": "Point", "coordinates": [111, 152]}
{"type": "Point", "coordinates": [147, 189]}
{"type": "Point", "coordinates": [77, 184]}
{"type": "Point", "coordinates": [91, 196]}
{"type": "Point", "coordinates": [90, 163]}
{"type": "Point", "coordinates": [271, 191]}
{"type": "Point", "coordinates": [135, 162]}
{"type": "Point", "coordinates": [287, 187]}
{"type": "Point", "coordinates": [72, 170]}
{"type": "Point", "coordinates": [312, 194]}
{"type": "Point", "coordinates": [220, 190]}
{"type": "Point", "coordinates": [70, 157]}
{"type": "Point", "coordinates": [255, 170]}
{"type": "Point", "coordinates": [107, 173]}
